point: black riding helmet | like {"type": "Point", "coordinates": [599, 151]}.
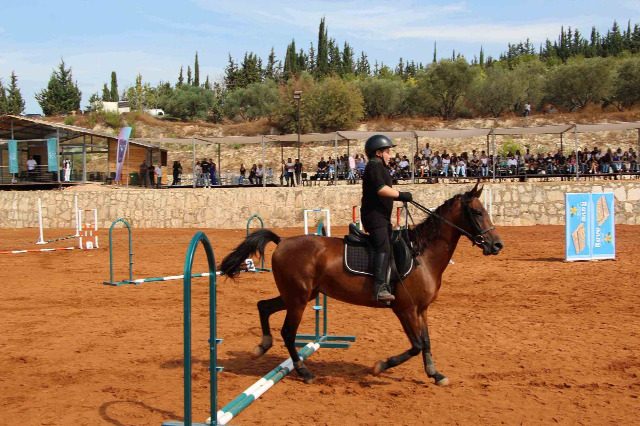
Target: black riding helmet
{"type": "Point", "coordinates": [375, 143]}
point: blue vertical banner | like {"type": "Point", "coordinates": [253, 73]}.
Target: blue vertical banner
{"type": "Point", "coordinates": [589, 226]}
{"type": "Point", "coordinates": [52, 154]}
{"type": "Point", "coordinates": [577, 226]}
{"type": "Point", "coordinates": [13, 157]}
{"type": "Point", "coordinates": [121, 151]}
{"type": "Point", "coordinates": [604, 226]}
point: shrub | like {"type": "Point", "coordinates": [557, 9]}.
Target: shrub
{"type": "Point", "coordinates": [336, 105]}
{"type": "Point", "coordinates": [509, 146]}
{"type": "Point", "coordinates": [112, 119]}
{"type": "Point", "coordinates": [382, 97]}
{"type": "Point", "coordinates": [190, 103]}
{"type": "Point", "coordinates": [253, 102]}
{"type": "Point", "coordinates": [70, 120]}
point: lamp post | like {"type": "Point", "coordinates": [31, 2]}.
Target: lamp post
{"type": "Point", "coordinates": [297, 95]}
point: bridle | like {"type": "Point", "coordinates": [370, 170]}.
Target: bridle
{"type": "Point", "coordinates": [477, 236]}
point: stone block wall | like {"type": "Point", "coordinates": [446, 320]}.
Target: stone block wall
{"type": "Point", "coordinates": [510, 204]}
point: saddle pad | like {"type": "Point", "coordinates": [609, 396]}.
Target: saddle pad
{"type": "Point", "coordinates": [357, 261]}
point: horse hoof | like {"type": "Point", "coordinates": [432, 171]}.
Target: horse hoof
{"type": "Point", "coordinates": [258, 352]}
{"type": "Point", "coordinates": [443, 382]}
{"type": "Point", "coordinates": [378, 368]}
{"type": "Point", "coordinates": [309, 380]}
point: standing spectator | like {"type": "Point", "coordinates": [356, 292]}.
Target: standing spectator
{"type": "Point", "coordinates": [297, 168]}
{"type": "Point", "coordinates": [243, 172]}
{"type": "Point", "coordinates": [426, 151]}
{"type": "Point", "coordinates": [177, 171]}
{"type": "Point", "coordinates": [31, 167]}
{"type": "Point", "coordinates": [259, 174]}
{"type": "Point", "coordinates": [152, 174]}
{"type": "Point", "coordinates": [527, 109]}
{"type": "Point", "coordinates": [351, 178]}
{"type": "Point", "coordinates": [66, 167]}
{"type": "Point", "coordinates": [158, 176]}
{"type": "Point", "coordinates": [144, 174]}
{"type": "Point", "coordinates": [253, 173]}
{"type": "Point", "coordinates": [213, 171]}
{"type": "Point", "coordinates": [290, 168]}
{"type": "Point", "coordinates": [206, 176]}
{"type": "Point", "coordinates": [198, 173]}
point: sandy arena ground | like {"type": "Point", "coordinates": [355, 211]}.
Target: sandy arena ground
{"type": "Point", "coordinates": [524, 338]}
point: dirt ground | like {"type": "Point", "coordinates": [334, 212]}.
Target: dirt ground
{"type": "Point", "coordinates": [524, 338]}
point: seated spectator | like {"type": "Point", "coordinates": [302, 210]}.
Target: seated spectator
{"type": "Point", "coordinates": [323, 169]}
{"type": "Point", "coordinates": [446, 163]}
{"type": "Point", "coordinates": [461, 167]}
{"type": "Point", "coordinates": [403, 166]}
{"type": "Point", "coordinates": [512, 165]}
{"type": "Point", "coordinates": [360, 166]}
{"type": "Point", "coordinates": [259, 174]}
{"type": "Point", "coordinates": [436, 163]}
{"type": "Point", "coordinates": [252, 173]}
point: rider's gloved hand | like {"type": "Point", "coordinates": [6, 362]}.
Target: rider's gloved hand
{"type": "Point", "coordinates": [405, 197]}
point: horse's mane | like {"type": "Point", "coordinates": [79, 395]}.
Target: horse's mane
{"type": "Point", "coordinates": [429, 229]}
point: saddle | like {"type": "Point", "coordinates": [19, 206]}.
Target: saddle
{"type": "Point", "coordinates": [357, 254]}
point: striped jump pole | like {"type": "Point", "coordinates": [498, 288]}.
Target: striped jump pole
{"type": "Point", "coordinates": [89, 231]}
{"type": "Point", "coordinates": [232, 409]}
{"type": "Point", "coordinates": [169, 278]}
{"type": "Point", "coordinates": [41, 238]}
{"type": "Point", "coordinates": [36, 250]}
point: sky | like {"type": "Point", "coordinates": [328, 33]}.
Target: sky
{"type": "Point", "coordinates": [156, 38]}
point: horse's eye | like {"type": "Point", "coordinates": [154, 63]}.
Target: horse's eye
{"type": "Point", "coordinates": [476, 212]}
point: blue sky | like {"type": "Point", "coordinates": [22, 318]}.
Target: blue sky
{"type": "Point", "coordinates": [156, 38]}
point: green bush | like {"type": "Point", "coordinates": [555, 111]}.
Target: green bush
{"type": "Point", "coordinates": [286, 112]}
{"type": "Point", "coordinates": [336, 105]}
{"type": "Point", "coordinates": [382, 96]}
{"type": "Point", "coordinates": [193, 103]}
{"type": "Point", "coordinates": [112, 119]}
{"type": "Point", "coordinates": [509, 146]}
{"type": "Point", "coordinates": [70, 120]}
{"type": "Point", "coordinates": [253, 102]}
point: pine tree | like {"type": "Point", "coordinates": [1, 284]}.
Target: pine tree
{"type": "Point", "coordinates": [291, 63]}
{"type": "Point", "coordinates": [189, 80]}
{"type": "Point", "coordinates": [180, 79]}
{"type": "Point", "coordinates": [61, 95]}
{"type": "Point", "coordinates": [303, 60]}
{"type": "Point", "coordinates": [364, 68]}
{"type": "Point", "coordinates": [15, 102]}
{"type": "Point", "coordinates": [400, 68]}
{"type": "Point", "coordinates": [106, 95]}
{"type": "Point", "coordinates": [311, 67]}
{"type": "Point", "coordinates": [270, 70]}
{"type": "Point", "coordinates": [196, 72]}
{"type": "Point", "coordinates": [348, 66]}
{"type": "Point", "coordinates": [335, 60]}
{"type": "Point", "coordinates": [231, 74]}
{"type": "Point", "coordinates": [322, 62]}
{"type": "Point", "coordinates": [113, 94]}
{"type": "Point", "coordinates": [3, 99]}
{"type": "Point", "coordinates": [615, 44]}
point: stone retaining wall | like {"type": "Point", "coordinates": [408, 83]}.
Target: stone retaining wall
{"type": "Point", "coordinates": [509, 204]}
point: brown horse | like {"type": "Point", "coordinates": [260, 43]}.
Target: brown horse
{"type": "Point", "coordinates": [306, 265]}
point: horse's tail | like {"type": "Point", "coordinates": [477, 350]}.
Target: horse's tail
{"type": "Point", "coordinates": [254, 243]}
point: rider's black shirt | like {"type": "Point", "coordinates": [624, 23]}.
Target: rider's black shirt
{"type": "Point", "coordinates": [376, 210]}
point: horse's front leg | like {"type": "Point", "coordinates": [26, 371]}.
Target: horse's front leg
{"type": "Point", "coordinates": [410, 324]}
{"type": "Point", "coordinates": [429, 365]}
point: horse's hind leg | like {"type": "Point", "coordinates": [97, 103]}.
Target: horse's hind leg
{"type": "Point", "coordinates": [289, 330]}
{"type": "Point", "coordinates": [427, 358]}
{"type": "Point", "coordinates": [266, 309]}
{"type": "Point", "coordinates": [410, 324]}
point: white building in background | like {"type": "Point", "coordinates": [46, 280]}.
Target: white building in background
{"type": "Point", "coordinates": [117, 107]}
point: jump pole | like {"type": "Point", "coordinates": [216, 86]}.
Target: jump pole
{"type": "Point", "coordinates": [76, 235]}
{"type": "Point", "coordinates": [89, 231]}
{"type": "Point", "coordinates": [36, 250]}
{"type": "Point", "coordinates": [324, 340]}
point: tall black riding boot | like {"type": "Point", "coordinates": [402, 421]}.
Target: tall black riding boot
{"type": "Point", "coordinates": [381, 278]}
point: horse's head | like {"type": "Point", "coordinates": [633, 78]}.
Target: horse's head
{"type": "Point", "coordinates": [478, 224]}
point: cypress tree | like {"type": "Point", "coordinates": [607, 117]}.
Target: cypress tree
{"type": "Point", "coordinates": [189, 80]}
{"type": "Point", "coordinates": [322, 63]}
{"type": "Point", "coordinates": [311, 67]}
{"type": "Point", "coordinates": [106, 95]}
{"type": "Point", "coordinates": [270, 70]}
{"type": "Point", "coordinates": [481, 57]}
{"type": "Point", "coordinates": [207, 84]}
{"type": "Point", "coordinates": [15, 102]}
{"type": "Point", "coordinates": [348, 66]}
{"type": "Point", "coordinates": [3, 99]}
{"type": "Point", "coordinates": [180, 79]}
{"type": "Point", "coordinates": [231, 74]}
{"type": "Point", "coordinates": [435, 48]}
{"type": "Point", "coordinates": [113, 94]}
{"type": "Point", "coordinates": [196, 72]}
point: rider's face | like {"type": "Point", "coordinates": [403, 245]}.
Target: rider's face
{"type": "Point", "coordinates": [386, 155]}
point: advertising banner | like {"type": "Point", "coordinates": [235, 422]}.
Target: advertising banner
{"type": "Point", "coordinates": [589, 226]}
{"type": "Point", "coordinates": [13, 157]}
{"type": "Point", "coordinates": [52, 154]}
{"type": "Point", "coordinates": [121, 151]}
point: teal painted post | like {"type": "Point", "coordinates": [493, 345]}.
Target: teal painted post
{"type": "Point", "coordinates": [213, 367]}
{"type": "Point", "coordinates": [255, 216]}
{"type": "Point", "coordinates": [111, 282]}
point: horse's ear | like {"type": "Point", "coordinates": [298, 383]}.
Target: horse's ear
{"type": "Point", "coordinates": [474, 192]}
{"type": "Point", "coordinates": [479, 191]}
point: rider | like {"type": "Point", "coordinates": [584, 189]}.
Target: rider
{"type": "Point", "coordinates": [376, 210]}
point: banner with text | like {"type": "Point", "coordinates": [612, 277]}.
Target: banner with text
{"type": "Point", "coordinates": [13, 157]}
{"type": "Point", "coordinates": [52, 154]}
{"type": "Point", "coordinates": [121, 152]}
{"type": "Point", "coordinates": [589, 226]}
